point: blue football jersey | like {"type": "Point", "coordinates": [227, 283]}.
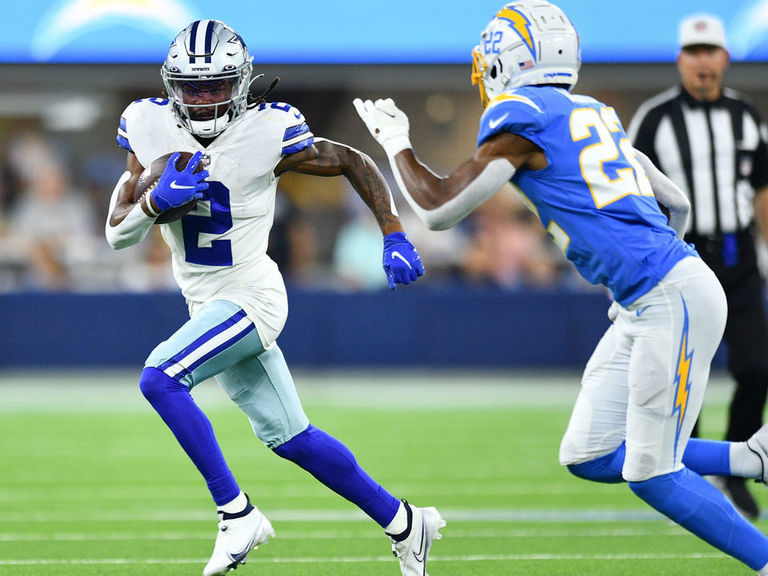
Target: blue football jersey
{"type": "Point", "coordinates": [593, 198]}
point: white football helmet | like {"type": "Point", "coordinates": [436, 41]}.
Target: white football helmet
{"type": "Point", "coordinates": [203, 53]}
{"type": "Point", "coordinates": [527, 42]}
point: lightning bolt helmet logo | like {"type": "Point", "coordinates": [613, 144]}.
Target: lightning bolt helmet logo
{"type": "Point", "coordinates": [519, 23]}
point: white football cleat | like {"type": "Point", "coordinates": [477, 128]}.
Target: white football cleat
{"type": "Point", "coordinates": [412, 551]}
{"type": "Point", "coordinates": [238, 535]}
{"type": "Point", "coordinates": [758, 443]}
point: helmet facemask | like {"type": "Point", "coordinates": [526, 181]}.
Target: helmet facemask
{"type": "Point", "coordinates": [478, 72]}
{"type": "Point", "coordinates": [209, 58]}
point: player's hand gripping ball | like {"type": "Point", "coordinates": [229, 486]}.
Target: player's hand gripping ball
{"type": "Point", "coordinates": [175, 189]}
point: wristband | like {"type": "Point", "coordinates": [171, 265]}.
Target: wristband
{"type": "Point", "coordinates": [148, 203]}
{"type": "Point", "coordinates": [393, 146]}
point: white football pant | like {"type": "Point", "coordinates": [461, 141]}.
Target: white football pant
{"type": "Point", "coordinates": [646, 379]}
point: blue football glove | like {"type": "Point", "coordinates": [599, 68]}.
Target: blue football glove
{"type": "Point", "coordinates": [402, 263]}
{"type": "Point", "coordinates": [177, 187]}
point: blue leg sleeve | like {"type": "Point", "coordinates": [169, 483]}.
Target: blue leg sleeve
{"type": "Point", "coordinates": [699, 507]}
{"type": "Point", "coordinates": [705, 457]}
{"type": "Point", "coordinates": [334, 465]}
{"type": "Point", "coordinates": [172, 400]}
{"type": "Point", "coordinates": [605, 469]}
{"type": "Point", "coordinates": [708, 457]}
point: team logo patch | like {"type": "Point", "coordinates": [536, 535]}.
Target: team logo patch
{"type": "Point", "coordinates": [520, 24]}
{"type": "Point", "coordinates": [682, 376]}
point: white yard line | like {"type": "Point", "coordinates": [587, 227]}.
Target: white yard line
{"type": "Point", "coordinates": [473, 515]}
{"type": "Point", "coordinates": [324, 534]}
{"type": "Point", "coordinates": [255, 559]}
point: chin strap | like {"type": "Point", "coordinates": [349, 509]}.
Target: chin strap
{"type": "Point", "coordinates": [256, 100]}
{"type": "Point", "coordinates": [217, 126]}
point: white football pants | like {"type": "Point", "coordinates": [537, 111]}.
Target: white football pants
{"type": "Point", "coordinates": [646, 379]}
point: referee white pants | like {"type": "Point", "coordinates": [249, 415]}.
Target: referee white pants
{"type": "Point", "coordinates": [645, 382]}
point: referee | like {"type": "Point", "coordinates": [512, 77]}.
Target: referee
{"type": "Point", "coordinates": [712, 144]}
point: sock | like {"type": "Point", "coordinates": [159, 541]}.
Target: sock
{"type": "Point", "coordinates": [605, 469]}
{"type": "Point", "coordinates": [763, 571]}
{"type": "Point", "coordinates": [699, 507]}
{"type": "Point", "coordinates": [401, 522]}
{"type": "Point", "coordinates": [717, 458]}
{"type": "Point", "coordinates": [708, 457]}
{"type": "Point", "coordinates": [744, 462]}
{"type": "Point", "coordinates": [237, 505]}
{"type": "Point", "coordinates": [334, 465]}
{"type": "Point", "coordinates": [192, 429]}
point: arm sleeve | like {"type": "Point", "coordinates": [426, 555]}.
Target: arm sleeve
{"type": "Point", "coordinates": [134, 226]}
{"type": "Point", "coordinates": [497, 173]}
{"type": "Point", "coordinates": [668, 194]}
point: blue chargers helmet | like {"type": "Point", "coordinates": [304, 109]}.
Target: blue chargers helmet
{"type": "Point", "coordinates": [204, 52]}
{"type": "Point", "coordinates": [528, 42]}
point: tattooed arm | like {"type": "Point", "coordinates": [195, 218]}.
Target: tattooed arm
{"type": "Point", "coordinates": [327, 158]}
{"type": "Point", "coordinates": [402, 263]}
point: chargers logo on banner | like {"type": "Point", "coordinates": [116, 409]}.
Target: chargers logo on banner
{"type": "Point", "coordinates": [70, 20]}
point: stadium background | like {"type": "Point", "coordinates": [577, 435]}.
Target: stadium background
{"type": "Point", "coordinates": [453, 392]}
{"type": "Point", "coordinates": [70, 67]}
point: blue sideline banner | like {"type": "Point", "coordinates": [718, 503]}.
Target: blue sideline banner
{"type": "Point", "coordinates": [354, 32]}
{"type": "Point", "coordinates": [407, 328]}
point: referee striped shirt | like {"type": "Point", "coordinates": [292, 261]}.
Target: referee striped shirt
{"type": "Point", "coordinates": [715, 152]}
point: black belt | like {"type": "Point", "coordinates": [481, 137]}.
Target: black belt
{"type": "Point", "coordinates": [727, 246]}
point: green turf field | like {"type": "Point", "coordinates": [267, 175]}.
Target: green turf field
{"type": "Point", "coordinates": [92, 483]}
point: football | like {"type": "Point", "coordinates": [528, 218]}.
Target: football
{"type": "Point", "coordinates": [150, 176]}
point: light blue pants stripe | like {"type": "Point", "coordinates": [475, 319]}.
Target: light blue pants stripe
{"type": "Point", "coordinates": [257, 380]}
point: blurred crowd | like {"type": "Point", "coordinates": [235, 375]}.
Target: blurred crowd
{"type": "Point", "coordinates": [52, 221]}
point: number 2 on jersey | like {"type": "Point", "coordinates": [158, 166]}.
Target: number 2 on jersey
{"type": "Point", "coordinates": [586, 123]}
{"type": "Point", "coordinates": [219, 252]}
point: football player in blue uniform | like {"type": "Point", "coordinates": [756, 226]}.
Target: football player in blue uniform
{"type": "Point", "coordinates": [599, 200]}
{"type": "Point", "coordinates": [234, 291]}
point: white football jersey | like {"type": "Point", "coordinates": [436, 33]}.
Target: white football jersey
{"type": "Point", "coordinates": [219, 249]}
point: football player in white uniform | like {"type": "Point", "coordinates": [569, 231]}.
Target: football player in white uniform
{"type": "Point", "coordinates": [599, 200]}
{"type": "Point", "coordinates": [235, 293]}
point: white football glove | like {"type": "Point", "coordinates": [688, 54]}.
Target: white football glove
{"type": "Point", "coordinates": [386, 123]}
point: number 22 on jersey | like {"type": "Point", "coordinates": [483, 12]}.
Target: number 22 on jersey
{"type": "Point", "coordinates": [605, 189]}
{"type": "Point", "coordinates": [614, 184]}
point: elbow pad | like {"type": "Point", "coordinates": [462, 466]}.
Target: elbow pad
{"type": "Point", "coordinates": [496, 173]}
{"type": "Point", "coordinates": [134, 226]}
